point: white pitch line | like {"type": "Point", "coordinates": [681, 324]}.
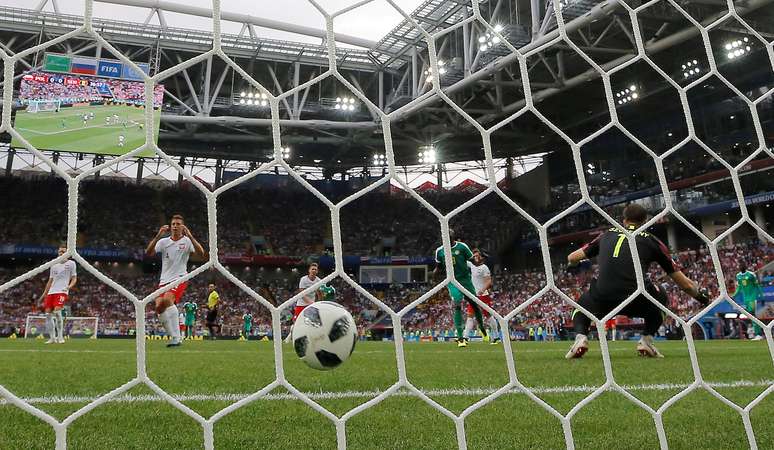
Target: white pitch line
{"type": "Point", "coordinates": [70, 130]}
{"type": "Point", "coordinates": [517, 350]}
{"type": "Point", "coordinates": [229, 397]}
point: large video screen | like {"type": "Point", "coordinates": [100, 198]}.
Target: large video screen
{"type": "Point", "coordinates": [85, 114]}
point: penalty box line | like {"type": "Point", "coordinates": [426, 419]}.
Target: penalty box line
{"type": "Point", "coordinates": [233, 397]}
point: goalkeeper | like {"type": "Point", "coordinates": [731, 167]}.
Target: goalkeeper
{"type": "Point", "coordinates": [461, 254]}
{"type": "Point", "coordinates": [247, 326]}
{"type": "Point", "coordinates": [617, 281]}
{"type": "Point", "coordinates": [190, 318]}
{"type": "Point", "coordinates": [749, 291]}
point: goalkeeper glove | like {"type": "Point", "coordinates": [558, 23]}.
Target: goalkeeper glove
{"type": "Point", "coordinates": [580, 267]}
{"type": "Point", "coordinates": [703, 297]}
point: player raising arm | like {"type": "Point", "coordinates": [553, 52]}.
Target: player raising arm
{"type": "Point", "coordinates": [482, 281]}
{"type": "Point", "coordinates": [305, 282]}
{"type": "Point", "coordinates": [461, 254]}
{"type": "Point", "coordinates": [617, 281]}
{"type": "Point", "coordinates": [174, 250]}
{"type": "Point", "coordinates": [60, 281]}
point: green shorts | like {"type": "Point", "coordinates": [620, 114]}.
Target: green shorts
{"type": "Point", "coordinates": [456, 294]}
{"type": "Point", "coordinates": [189, 323]}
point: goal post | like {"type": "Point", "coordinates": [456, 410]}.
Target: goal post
{"type": "Point", "coordinates": [81, 327]}
{"type": "Point", "coordinates": [36, 106]}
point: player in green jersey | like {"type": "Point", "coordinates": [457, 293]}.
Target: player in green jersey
{"type": "Point", "coordinates": [190, 318]}
{"type": "Point", "coordinates": [328, 293]}
{"type": "Point", "coordinates": [749, 291]}
{"type": "Point", "coordinates": [248, 325]}
{"type": "Point", "coordinates": [461, 254]}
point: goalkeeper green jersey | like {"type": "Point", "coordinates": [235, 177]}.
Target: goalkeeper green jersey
{"type": "Point", "coordinates": [747, 285]}
{"type": "Point", "coordinates": [328, 293]}
{"type": "Point", "coordinates": [461, 254]}
{"type": "Point", "coordinates": [190, 311]}
{"type": "Point", "coordinates": [248, 318]}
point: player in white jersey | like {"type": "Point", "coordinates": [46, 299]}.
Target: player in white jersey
{"type": "Point", "coordinates": [306, 281]}
{"type": "Point", "coordinates": [482, 281]}
{"type": "Point", "coordinates": [61, 279]}
{"type": "Point", "coordinates": [174, 250]}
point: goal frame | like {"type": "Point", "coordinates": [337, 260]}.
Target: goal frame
{"type": "Point", "coordinates": [58, 104]}
{"type": "Point", "coordinates": [31, 317]}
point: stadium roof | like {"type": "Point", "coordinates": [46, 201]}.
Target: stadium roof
{"type": "Point", "coordinates": [210, 122]}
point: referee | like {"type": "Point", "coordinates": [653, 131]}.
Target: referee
{"type": "Point", "coordinates": [212, 310]}
{"type": "Point", "coordinates": [617, 281]}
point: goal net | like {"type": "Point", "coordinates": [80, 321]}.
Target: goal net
{"type": "Point", "coordinates": [74, 327]}
{"type": "Point", "coordinates": [561, 25]}
{"type": "Point", "coordinates": [36, 106]}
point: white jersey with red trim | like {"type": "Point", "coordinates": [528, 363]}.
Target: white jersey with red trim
{"type": "Point", "coordinates": [309, 298]}
{"type": "Point", "coordinates": [61, 274]}
{"type": "Point", "coordinates": [174, 257]}
{"type": "Point", "coordinates": [479, 274]}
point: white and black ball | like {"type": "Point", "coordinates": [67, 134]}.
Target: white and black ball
{"type": "Point", "coordinates": [324, 335]}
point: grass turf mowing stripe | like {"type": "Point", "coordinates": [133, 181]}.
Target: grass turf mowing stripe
{"type": "Point", "coordinates": [231, 397]}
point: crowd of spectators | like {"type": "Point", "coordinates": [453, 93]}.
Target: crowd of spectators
{"type": "Point", "coordinates": [134, 92]}
{"type": "Point", "coordinates": [72, 89]}
{"type": "Point", "coordinates": [288, 223]}
{"type": "Point", "coordinates": [67, 94]}
{"type": "Point", "coordinates": [268, 221]}
{"type": "Point", "coordinates": [511, 289]}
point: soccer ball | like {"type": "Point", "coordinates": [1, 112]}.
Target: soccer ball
{"type": "Point", "coordinates": [324, 335]}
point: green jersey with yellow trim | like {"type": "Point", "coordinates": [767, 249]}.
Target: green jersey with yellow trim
{"type": "Point", "coordinates": [747, 285]}
{"type": "Point", "coordinates": [461, 254]}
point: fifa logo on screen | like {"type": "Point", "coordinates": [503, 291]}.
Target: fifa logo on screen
{"type": "Point", "coordinates": [109, 69]}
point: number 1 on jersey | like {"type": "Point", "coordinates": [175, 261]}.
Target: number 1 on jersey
{"type": "Point", "coordinates": [618, 244]}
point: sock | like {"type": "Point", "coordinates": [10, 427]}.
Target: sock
{"type": "Point", "coordinates": [469, 326]}
{"type": "Point", "coordinates": [164, 322]}
{"type": "Point", "coordinates": [169, 318]}
{"type": "Point", "coordinates": [50, 327]}
{"type": "Point", "coordinates": [479, 319]}
{"type": "Point", "coordinates": [458, 320]}
{"type": "Point", "coordinates": [290, 333]}
{"type": "Point", "coordinates": [493, 327]}
{"type": "Point", "coordinates": [59, 321]}
{"type": "Point", "coordinates": [580, 322]}
{"type": "Point", "coordinates": [174, 322]}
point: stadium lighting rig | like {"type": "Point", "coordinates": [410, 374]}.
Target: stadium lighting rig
{"type": "Point", "coordinates": [427, 156]}
{"type": "Point", "coordinates": [738, 48]}
{"type": "Point", "coordinates": [488, 40]}
{"type": "Point", "coordinates": [691, 68]}
{"type": "Point", "coordinates": [380, 159]}
{"type": "Point", "coordinates": [345, 104]}
{"type": "Point", "coordinates": [441, 71]}
{"type": "Point", "coordinates": [627, 95]}
{"type": "Point", "coordinates": [253, 99]}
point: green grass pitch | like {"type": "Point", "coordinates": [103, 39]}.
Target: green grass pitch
{"type": "Point", "coordinates": [65, 131]}
{"type": "Point", "coordinates": [208, 376]}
